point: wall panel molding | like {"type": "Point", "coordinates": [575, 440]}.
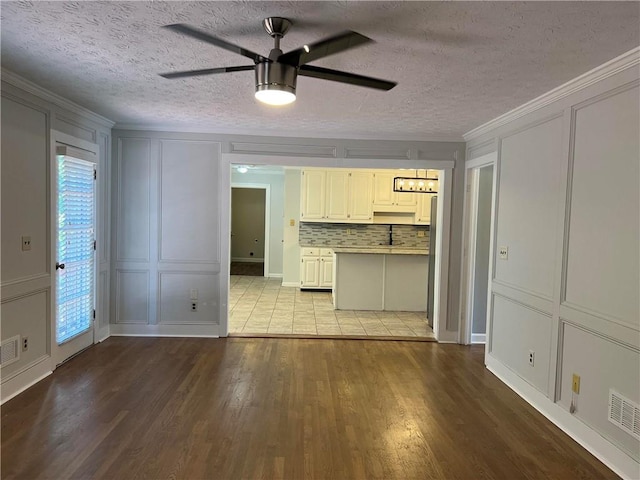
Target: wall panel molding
{"type": "Point", "coordinates": [329, 151]}
{"type": "Point", "coordinates": [144, 289]}
{"type": "Point", "coordinates": [25, 286]}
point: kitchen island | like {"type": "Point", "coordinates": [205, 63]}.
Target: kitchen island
{"type": "Point", "coordinates": [391, 278]}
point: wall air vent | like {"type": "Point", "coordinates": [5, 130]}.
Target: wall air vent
{"type": "Point", "coordinates": [10, 351]}
{"type": "Point", "coordinates": [624, 413]}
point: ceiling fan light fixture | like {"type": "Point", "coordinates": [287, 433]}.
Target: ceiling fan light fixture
{"type": "Point", "coordinates": [275, 83]}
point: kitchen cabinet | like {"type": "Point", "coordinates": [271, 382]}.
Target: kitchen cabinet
{"type": "Point", "coordinates": [423, 212]}
{"type": "Point", "coordinates": [361, 196]}
{"type": "Point", "coordinates": [313, 191]}
{"type": "Point", "coordinates": [316, 268]}
{"type": "Point", "coordinates": [336, 195]}
{"type": "Point", "coordinates": [385, 199]}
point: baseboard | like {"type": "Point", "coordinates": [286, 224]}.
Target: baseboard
{"type": "Point", "coordinates": [275, 275]}
{"type": "Point", "coordinates": [290, 284]}
{"type": "Point", "coordinates": [102, 334]}
{"type": "Point", "coordinates": [478, 338]}
{"type": "Point", "coordinates": [605, 451]}
{"type": "Point", "coordinates": [25, 378]}
{"type": "Point", "coordinates": [247, 260]}
{"type": "Point", "coordinates": [137, 330]}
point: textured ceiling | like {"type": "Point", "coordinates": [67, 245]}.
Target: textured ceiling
{"type": "Point", "coordinates": [458, 64]}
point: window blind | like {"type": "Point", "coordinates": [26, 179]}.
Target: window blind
{"type": "Point", "coordinates": [76, 210]}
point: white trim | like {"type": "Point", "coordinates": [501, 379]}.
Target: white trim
{"type": "Point", "coordinates": [142, 330]}
{"type": "Point", "coordinates": [290, 284]}
{"type": "Point", "coordinates": [102, 334]}
{"type": "Point", "coordinates": [267, 221]}
{"type": "Point", "coordinates": [276, 275]}
{"type": "Point", "coordinates": [25, 378]}
{"type": "Point", "coordinates": [479, 338]}
{"type": "Point", "coordinates": [468, 264]}
{"type": "Point", "coordinates": [605, 451]}
{"type": "Point", "coordinates": [248, 260]}
{"type": "Point", "coordinates": [30, 87]}
{"type": "Point", "coordinates": [289, 134]}
{"type": "Point", "coordinates": [336, 162]}
{"type": "Point", "coordinates": [626, 60]}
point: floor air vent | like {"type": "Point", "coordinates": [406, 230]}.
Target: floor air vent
{"type": "Point", "coordinates": [624, 413]}
{"type": "Point", "coordinates": [10, 351]}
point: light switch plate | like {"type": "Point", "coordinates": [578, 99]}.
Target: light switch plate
{"type": "Point", "coordinates": [292, 223]}
{"type": "Point", "coordinates": [503, 252]}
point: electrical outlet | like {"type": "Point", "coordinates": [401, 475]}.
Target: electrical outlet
{"type": "Point", "coordinates": [532, 357]}
{"type": "Point", "coordinates": [503, 252]}
{"type": "Point", "coordinates": [25, 344]}
{"type": "Point", "coordinates": [26, 243]}
{"type": "Point", "coordinates": [292, 223]}
{"type": "Point", "coordinates": [420, 233]}
{"type": "Point", "coordinates": [575, 384]}
{"type": "Point", "coordinates": [194, 306]}
{"type": "Point", "coordinates": [348, 231]}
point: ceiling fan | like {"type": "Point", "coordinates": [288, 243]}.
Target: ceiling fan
{"type": "Point", "coordinates": [276, 74]}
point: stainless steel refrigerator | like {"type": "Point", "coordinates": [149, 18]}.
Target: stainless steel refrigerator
{"type": "Point", "coordinates": [432, 259]}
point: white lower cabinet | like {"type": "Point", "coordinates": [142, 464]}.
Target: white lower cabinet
{"type": "Point", "coordinates": [316, 268]}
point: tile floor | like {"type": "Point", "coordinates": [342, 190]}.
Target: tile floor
{"type": "Point", "coordinates": [260, 305]}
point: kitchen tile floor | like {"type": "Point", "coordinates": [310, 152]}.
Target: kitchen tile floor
{"type": "Point", "coordinates": [260, 305]}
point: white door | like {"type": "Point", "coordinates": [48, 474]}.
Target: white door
{"type": "Point", "coordinates": [74, 229]}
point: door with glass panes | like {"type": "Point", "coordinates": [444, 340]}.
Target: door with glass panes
{"type": "Point", "coordinates": [75, 243]}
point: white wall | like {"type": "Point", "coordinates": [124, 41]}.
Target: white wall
{"type": "Point", "coordinates": [568, 209]}
{"type": "Point", "coordinates": [291, 245]}
{"type": "Point", "coordinates": [166, 235]}
{"type": "Point", "coordinates": [29, 114]}
{"type": "Point", "coordinates": [275, 180]}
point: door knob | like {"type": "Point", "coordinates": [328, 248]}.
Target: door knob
{"type": "Point", "coordinates": [59, 266]}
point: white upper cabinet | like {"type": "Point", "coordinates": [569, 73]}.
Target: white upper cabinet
{"type": "Point", "coordinates": [361, 196]}
{"type": "Point", "coordinates": [337, 195]}
{"type": "Point", "coordinates": [313, 195]}
{"type": "Point", "coordinates": [385, 199]}
{"type": "Point", "coordinates": [423, 211]}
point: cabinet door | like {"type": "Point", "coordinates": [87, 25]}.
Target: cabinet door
{"type": "Point", "coordinates": [337, 194]}
{"type": "Point", "coordinates": [361, 197]}
{"type": "Point", "coordinates": [326, 272]}
{"type": "Point", "coordinates": [313, 195]}
{"type": "Point", "coordinates": [423, 213]}
{"type": "Point", "coordinates": [405, 199]}
{"type": "Point", "coordinates": [383, 188]}
{"type": "Point", "coordinates": [310, 272]}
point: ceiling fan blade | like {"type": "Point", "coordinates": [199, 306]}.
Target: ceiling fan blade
{"type": "Point", "coordinates": [345, 77]}
{"type": "Point", "coordinates": [323, 48]}
{"type": "Point", "coordinates": [206, 71]}
{"type": "Point", "coordinates": [218, 42]}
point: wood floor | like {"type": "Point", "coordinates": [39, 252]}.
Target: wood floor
{"type": "Point", "coordinates": [154, 408]}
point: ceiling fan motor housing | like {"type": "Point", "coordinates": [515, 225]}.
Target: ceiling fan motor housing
{"type": "Point", "coordinates": [275, 76]}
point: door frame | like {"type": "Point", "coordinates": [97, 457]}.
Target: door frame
{"type": "Point", "coordinates": [267, 218]}
{"type": "Point", "coordinates": [60, 353]}
{"type": "Point", "coordinates": [441, 288]}
{"type": "Point", "coordinates": [470, 223]}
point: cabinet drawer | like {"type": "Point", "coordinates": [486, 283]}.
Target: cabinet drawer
{"type": "Point", "coordinates": [326, 252]}
{"type": "Point", "coordinates": [310, 251]}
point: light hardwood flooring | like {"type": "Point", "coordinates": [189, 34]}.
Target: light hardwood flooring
{"type": "Point", "coordinates": [259, 305]}
{"type": "Point", "coordinates": [279, 408]}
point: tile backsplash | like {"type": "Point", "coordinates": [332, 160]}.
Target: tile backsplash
{"type": "Point", "coordinates": [362, 235]}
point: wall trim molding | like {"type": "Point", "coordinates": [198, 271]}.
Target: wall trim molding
{"type": "Point", "coordinates": [170, 128]}
{"type": "Point", "coordinates": [102, 334]}
{"type": "Point", "coordinates": [34, 89]}
{"type": "Point", "coordinates": [478, 338]}
{"type": "Point", "coordinates": [25, 378]}
{"type": "Point", "coordinates": [605, 451]}
{"type": "Point", "coordinates": [626, 60]}
{"type": "Point", "coordinates": [140, 330]}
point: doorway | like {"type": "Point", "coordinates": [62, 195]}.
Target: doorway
{"type": "Point", "coordinates": [74, 246]}
{"type": "Point", "coordinates": [480, 175]}
{"type": "Point", "coordinates": [249, 230]}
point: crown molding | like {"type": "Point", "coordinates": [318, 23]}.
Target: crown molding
{"type": "Point", "coordinates": [30, 87]}
{"type": "Point", "coordinates": [612, 67]}
{"type": "Point", "coordinates": [168, 128]}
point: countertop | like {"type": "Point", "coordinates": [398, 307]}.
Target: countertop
{"type": "Point", "coordinates": [382, 249]}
